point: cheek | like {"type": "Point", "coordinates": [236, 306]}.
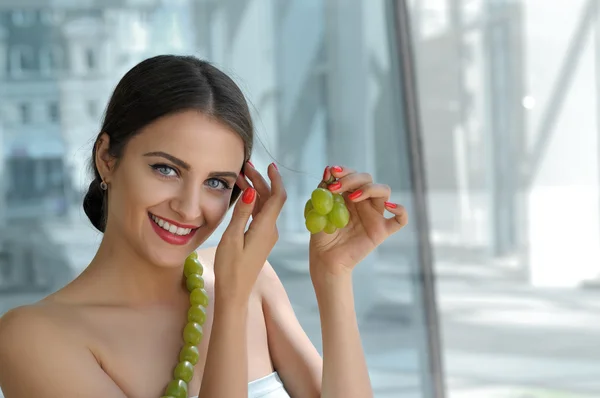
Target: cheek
{"type": "Point", "coordinates": [215, 209]}
{"type": "Point", "coordinates": [138, 192]}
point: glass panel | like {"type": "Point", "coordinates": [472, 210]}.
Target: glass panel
{"type": "Point", "coordinates": [330, 94]}
{"type": "Point", "coordinates": [508, 97]}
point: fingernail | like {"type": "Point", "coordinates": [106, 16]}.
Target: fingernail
{"type": "Point", "coordinates": [391, 205]}
{"type": "Point", "coordinates": [274, 165]}
{"type": "Point", "coordinates": [337, 169]}
{"type": "Point", "coordinates": [355, 194]}
{"type": "Point", "coordinates": [248, 195]}
{"type": "Point", "coordinates": [335, 186]}
{"type": "Point", "coordinates": [325, 173]}
{"type": "Point", "coordinates": [250, 163]}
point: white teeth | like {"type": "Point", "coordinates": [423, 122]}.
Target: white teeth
{"type": "Point", "coordinates": [171, 228]}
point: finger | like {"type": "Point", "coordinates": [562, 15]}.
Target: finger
{"type": "Point", "coordinates": [378, 192]}
{"type": "Point", "coordinates": [242, 182]}
{"type": "Point", "coordinates": [350, 182]}
{"type": "Point", "coordinates": [399, 220]}
{"type": "Point", "coordinates": [258, 181]}
{"type": "Point", "coordinates": [262, 187]}
{"type": "Point", "coordinates": [339, 171]}
{"type": "Point", "coordinates": [326, 173]}
{"type": "Point", "coordinates": [241, 213]}
{"type": "Point", "coordinates": [273, 205]}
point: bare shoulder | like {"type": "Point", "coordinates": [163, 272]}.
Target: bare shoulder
{"type": "Point", "coordinates": [34, 330]}
{"type": "Point", "coordinates": [24, 322]}
{"type": "Point", "coordinates": [45, 337]}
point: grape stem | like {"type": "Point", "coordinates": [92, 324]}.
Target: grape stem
{"type": "Point", "coordinates": [325, 183]}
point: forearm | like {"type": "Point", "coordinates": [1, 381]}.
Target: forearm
{"type": "Point", "coordinates": [226, 370]}
{"type": "Point", "coordinates": [345, 372]}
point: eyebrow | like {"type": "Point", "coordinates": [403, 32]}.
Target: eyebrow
{"type": "Point", "coordinates": [186, 166]}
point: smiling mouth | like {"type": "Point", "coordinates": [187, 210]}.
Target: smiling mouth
{"type": "Point", "coordinates": [174, 229]}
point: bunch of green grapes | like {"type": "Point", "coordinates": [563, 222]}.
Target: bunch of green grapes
{"type": "Point", "coordinates": [325, 211]}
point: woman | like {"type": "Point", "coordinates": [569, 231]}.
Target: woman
{"type": "Point", "coordinates": [171, 158]}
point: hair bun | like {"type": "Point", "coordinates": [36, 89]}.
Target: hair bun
{"type": "Point", "coordinates": [93, 205]}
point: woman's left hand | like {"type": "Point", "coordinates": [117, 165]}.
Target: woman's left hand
{"type": "Point", "coordinates": [368, 227]}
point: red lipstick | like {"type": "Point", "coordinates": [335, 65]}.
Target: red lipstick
{"type": "Point", "coordinates": [170, 237]}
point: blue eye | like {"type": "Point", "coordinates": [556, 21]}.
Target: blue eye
{"type": "Point", "coordinates": [216, 183]}
{"type": "Point", "coordinates": [164, 170]}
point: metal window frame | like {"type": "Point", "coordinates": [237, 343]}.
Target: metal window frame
{"type": "Point", "coordinates": [410, 103]}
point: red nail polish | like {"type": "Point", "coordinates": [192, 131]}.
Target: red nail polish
{"type": "Point", "coordinates": [250, 163]}
{"type": "Point", "coordinates": [248, 195]}
{"type": "Point", "coordinates": [325, 173]}
{"type": "Point", "coordinates": [335, 186]}
{"type": "Point", "coordinates": [275, 166]}
{"type": "Point", "coordinates": [355, 195]}
{"type": "Point", "coordinates": [337, 169]}
{"type": "Point", "coordinates": [391, 205]}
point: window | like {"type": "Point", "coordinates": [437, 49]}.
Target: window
{"type": "Point", "coordinates": [326, 95]}
{"type": "Point", "coordinates": [22, 174]}
{"type": "Point", "coordinates": [508, 107]}
{"type": "Point", "coordinates": [22, 60]}
{"type": "Point", "coordinates": [25, 114]}
{"type": "Point", "coordinates": [54, 112]}
{"type": "Point", "coordinates": [32, 178]}
{"type": "Point", "coordinates": [51, 59]}
{"type": "Point", "coordinates": [23, 18]}
{"type": "Point", "coordinates": [52, 17]}
{"type": "Point", "coordinates": [91, 61]}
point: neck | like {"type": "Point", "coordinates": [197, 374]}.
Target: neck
{"type": "Point", "coordinates": [125, 277]}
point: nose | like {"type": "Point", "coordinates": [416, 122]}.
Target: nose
{"type": "Point", "coordinates": [188, 204]}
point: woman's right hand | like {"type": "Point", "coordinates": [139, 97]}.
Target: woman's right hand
{"type": "Point", "coordinates": [241, 254]}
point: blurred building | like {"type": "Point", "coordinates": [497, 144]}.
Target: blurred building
{"type": "Point", "coordinates": [58, 67]}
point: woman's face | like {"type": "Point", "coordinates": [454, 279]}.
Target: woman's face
{"type": "Point", "coordinates": [172, 186]}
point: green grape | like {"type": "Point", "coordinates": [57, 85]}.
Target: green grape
{"type": "Point", "coordinates": [339, 215]}
{"type": "Point", "coordinates": [194, 281]}
{"type": "Point", "coordinates": [184, 371]}
{"type": "Point", "coordinates": [337, 198]}
{"type": "Point", "coordinates": [168, 396]}
{"type": "Point", "coordinates": [189, 352]}
{"type": "Point", "coordinates": [196, 313]}
{"type": "Point", "coordinates": [194, 255]}
{"type": "Point", "coordinates": [192, 266]}
{"type": "Point", "coordinates": [329, 228]}
{"type": "Point", "coordinates": [308, 207]}
{"type": "Point", "coordinates": [192, 333]}
{"type": "Point", "coordinates": [199, 297]}
{"type": "Point", "coordinates": [315, 222]}
{"type": "Point", "coordinates": [177, 388]}
{"type": "Point", "coordinates": [322, 200]}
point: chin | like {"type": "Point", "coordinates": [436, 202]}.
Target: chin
{"type": "Point", "coordinates": [166, 250]}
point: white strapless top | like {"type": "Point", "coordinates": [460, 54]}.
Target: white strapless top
{"type": "Point", "coordinates": [267, 387]}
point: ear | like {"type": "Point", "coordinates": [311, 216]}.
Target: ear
{"type": "Point", "coordinates": [104, 162]}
